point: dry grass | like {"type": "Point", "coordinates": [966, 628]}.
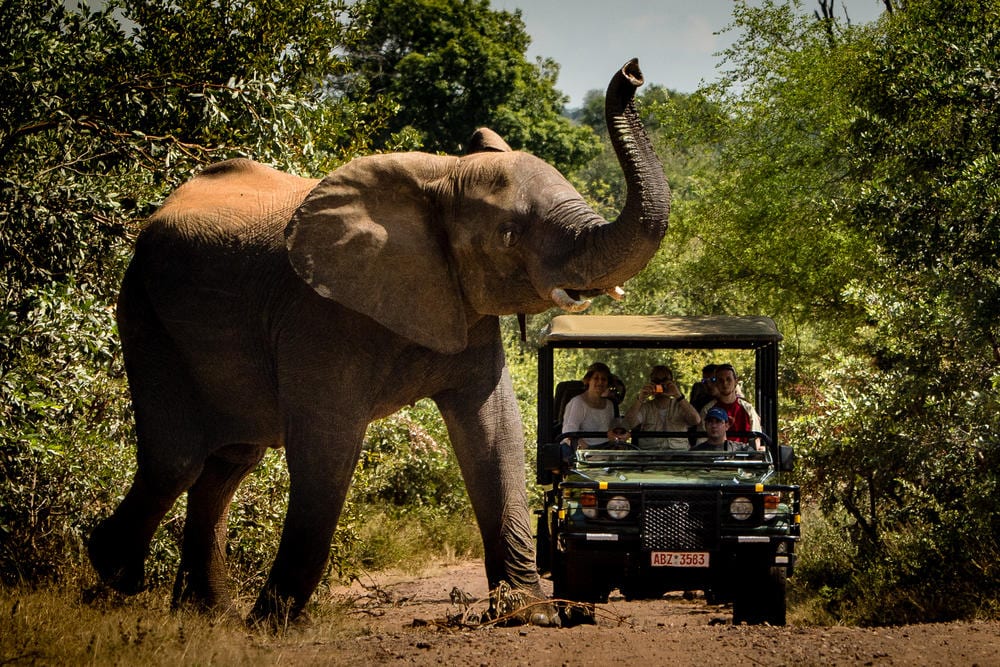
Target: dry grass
{"type": "Point", "coordinates": [68, 624]}
{"type": "Point", "coordinates": [56, 627]}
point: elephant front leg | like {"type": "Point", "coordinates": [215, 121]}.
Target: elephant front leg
{"type": "Point", "coordinates": [488, 438]}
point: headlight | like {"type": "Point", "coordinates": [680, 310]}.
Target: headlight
{"type": "Point", "coordinates": [741, 508]}
{"type": "Point", "coordinates": [588, 503]}
{"type": "Point", "coordinates": [619, 507]}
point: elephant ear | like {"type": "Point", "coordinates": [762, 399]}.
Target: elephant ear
{"type": "Point", "coordinates": [485, 140]}
{"type": "Point", "coordinates": [365, 237]}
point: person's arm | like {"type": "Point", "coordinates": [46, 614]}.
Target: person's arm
{"type": "Point", "coordinates": [754, 418]}
{"type": "Point", "coordinates": [755, 424]}
{"type": "Point", "coordinates": [704, 410]}
{"type": "Point", "coordinates": [633, 416]}
{"type": "Point", "coordinates": [687, 412]}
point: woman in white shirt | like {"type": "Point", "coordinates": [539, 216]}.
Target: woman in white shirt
{"type": "Point", "coordinates": [591, 410]}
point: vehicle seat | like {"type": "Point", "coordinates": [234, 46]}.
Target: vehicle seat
{"type": "Point", "coordinates": [564, 392]}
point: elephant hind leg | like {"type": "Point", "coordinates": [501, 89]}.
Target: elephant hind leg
{"type": "Point", "coordinates": [170, 450]}
{"type": "Point", "coordinates": [202, 578]}
{"type": "Point", "coordinates": [118, 546]}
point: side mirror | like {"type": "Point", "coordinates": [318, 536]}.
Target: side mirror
{"type": "Point", "coordinates": [786, 458]}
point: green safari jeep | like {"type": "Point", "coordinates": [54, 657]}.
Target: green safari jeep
{"type": "Point", "coordinates": [646, 521]}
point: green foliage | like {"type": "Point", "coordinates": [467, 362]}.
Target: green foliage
{"type": "Point", "coordinates": [456, 65]}
{"type": "Point", "coordinates": [767, 141]}
{"type": "Point", "coordinates": [64, 455]}
{"type": "Point", "coordinates": [840, 179]}
{"type": "Point", "coordinates": [926, 149]}
{"type": "Point", "coordinates": [913, 490]}
{"type": "Point", "coordinates": [101, 114]}
{"type": "Point", "coordinates": [925, 511]}
{"type": "Point", "coordinates": [406, 462]}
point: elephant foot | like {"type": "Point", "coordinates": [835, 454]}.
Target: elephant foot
{"type": "Point", "coordinates": [578, 613]}
{"type": "Point", "coordinates": [517, 606]}
{"type": "Point", "coordinates": [117, 568]}
{"type": "Point", "coordinates": [276, 613]}
{"type": "Point", "coordinates": [546, 617]}
{"type": "Point", "coordinates": [192, 592]}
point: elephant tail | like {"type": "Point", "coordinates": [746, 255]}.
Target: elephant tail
{"type": "Point", "coordinates": [146, 342]}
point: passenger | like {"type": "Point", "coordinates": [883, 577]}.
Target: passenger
{"type": "Point", "coordinates": [616, 392]}
{"type": "Point", "coordinates": [716, 424]}
{"type": "Point", "coordinates": [592, 410]}
{"type": "Point", "coordinates": [661, 406]}
{"type": "Point", "coordinates": [704, 391]}
{"type": "Point", "coordinates": [742, 415]}
{"type": "Point", "coordinates": [618, 434]}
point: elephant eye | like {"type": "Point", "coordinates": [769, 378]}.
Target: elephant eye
{"type": "Point", "coordinates": [509, 236]}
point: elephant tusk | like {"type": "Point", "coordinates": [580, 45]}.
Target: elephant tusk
{"type": "Point", "coordinates": [566, 302]}
{"type": "Point", "coordinates": [616, 293]}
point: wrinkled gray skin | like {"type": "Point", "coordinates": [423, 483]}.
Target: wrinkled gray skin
{"type": "Point", "coordinates": [266, 310]}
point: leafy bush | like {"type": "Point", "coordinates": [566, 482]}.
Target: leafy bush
{"type": "Point", "coordinates": [63, 457]}
{"type": "Point", "coordinates": [906, 478]}
{"type": "Point", "coordinates": [405, 463]}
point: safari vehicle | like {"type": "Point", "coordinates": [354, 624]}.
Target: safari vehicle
{"type": "Point", "coordinates": [647, 521]}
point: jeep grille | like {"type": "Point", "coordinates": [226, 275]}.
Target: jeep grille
{"type": "Point", "coordinates": [679, 521]}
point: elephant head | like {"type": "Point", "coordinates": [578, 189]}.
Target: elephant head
{"type": "Point", "coordinates": [489, 233]}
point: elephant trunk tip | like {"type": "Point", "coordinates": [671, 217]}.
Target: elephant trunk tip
{"type": "Point", "coordinates": [571, 304]}
{"type": "Point", "coordinates": [632, 72]}
{"type": "Point", "coordinates": [575, 303]}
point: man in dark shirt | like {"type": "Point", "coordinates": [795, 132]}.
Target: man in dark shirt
{"type": "Point", "coordinates": [703, 391]}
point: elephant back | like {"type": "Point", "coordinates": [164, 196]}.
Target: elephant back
{"type": "Point", "coordinates": [237, 198]}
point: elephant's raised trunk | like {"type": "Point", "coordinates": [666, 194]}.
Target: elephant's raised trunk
{"type": "Point", "coordinates": [616, 251]}
{"type": "Point", "coordinates": [647, 204]}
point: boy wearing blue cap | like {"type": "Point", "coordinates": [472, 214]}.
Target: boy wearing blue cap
{"type": "Point", "coordinates": [716, 422]}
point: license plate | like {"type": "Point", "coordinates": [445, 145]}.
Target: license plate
{"type": "Point", "coordinates": [679, 559]}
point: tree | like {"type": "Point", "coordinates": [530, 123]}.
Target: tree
{"type": "Point", "coordinates": [881, 133]}
{"type": "Point", "coordinates": [842, 179]}
{"type": "Point", "coordinates": [112, 114]}
{"type": "Point", "coordinates": [99, 117]}
{"type": "Point", "coordinates": [924, 149]}
{"type": "Point", "coordinates": [767, 211]}
{"type": "Point", "coordinates": [455, 65]}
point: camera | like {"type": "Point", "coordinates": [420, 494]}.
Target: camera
{"type": "Point", "coordinates": [658, 389]}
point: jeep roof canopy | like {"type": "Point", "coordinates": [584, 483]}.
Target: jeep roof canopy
{"type": "Point", "coordinates": [665, 332]}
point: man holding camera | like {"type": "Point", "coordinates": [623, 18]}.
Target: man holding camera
{"type": "Point", "coordinates": [661, 407]}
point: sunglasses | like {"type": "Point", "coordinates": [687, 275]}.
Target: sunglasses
{"type": "Point", "coordinates": [710, 380]}
{"type": "Point", "coordinates": [662, 380]}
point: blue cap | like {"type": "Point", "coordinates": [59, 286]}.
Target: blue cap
{"type": "Point", "coordinates": [718, 413]}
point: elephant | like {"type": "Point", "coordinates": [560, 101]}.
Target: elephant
{"type": "Point", "coordinates": [254, 297]}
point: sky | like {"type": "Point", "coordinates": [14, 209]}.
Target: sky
{"type": "Point", "coordinates": [675, 40]}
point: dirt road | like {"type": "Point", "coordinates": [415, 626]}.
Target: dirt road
{"type": "Point", "coordinates": [396, 621]}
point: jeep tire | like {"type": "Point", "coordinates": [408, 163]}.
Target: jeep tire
{"type": "Point", "coordinates": [761, 599]}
